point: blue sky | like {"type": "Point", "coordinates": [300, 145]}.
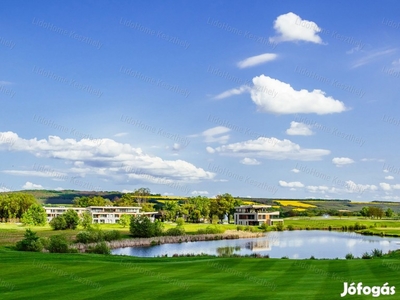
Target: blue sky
{"type": "Point", "coordinates": [297, 99]}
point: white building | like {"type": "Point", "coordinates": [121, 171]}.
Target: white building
{"type": "Point", "coordinates": [256, 215]}
{"type": "Point", "coordinates": [100, 214]}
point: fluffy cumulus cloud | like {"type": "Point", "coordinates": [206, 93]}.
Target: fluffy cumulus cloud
{"type": "Point", "coordinates": [274, 96]}
{"type": "Point", "coordinates": [389, 177]}
{"type": "Point", "coordinates": [291, 28]}
{"type": "Point", "coordinates": [295, 170]}
{"type": "Point", "coordinates": [250, 161]}
{"type": "Point", "coordinates": [388, 187]}
{"type": "Point", "coordinates": [257, 60]}
{"type": "Point", "coordinates": [342, 161]}
{"type": "Point", "coordinates": [297, 128]}
{"type": "Point", "coordinates": [293, 184]}
{"type": "Point", "coordinates": [31, 186]}
{"type": "Point", "coordinates": [271, 148]}
{"type": "Point", "coordinates": [106, 157]}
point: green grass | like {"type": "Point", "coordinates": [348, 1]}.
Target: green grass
{"type": "Point", "coordinates": [336, 222]}
{"type": "Point", "coordinates": [81, 276]}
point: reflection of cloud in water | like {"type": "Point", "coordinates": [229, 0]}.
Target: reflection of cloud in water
{"type": "Point", "coordinates": [351, 243]}
{"type": "Point", "coordinates": [384, 243]}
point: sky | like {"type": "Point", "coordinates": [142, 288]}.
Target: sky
{"type": "Point", "coordinates": [293, 99]}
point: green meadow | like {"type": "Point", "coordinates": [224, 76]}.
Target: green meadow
{"type": "Point", "coordinates": [26, 275]}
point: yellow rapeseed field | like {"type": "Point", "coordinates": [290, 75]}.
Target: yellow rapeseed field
{"type": "Point", "coordinates": [295, 203]}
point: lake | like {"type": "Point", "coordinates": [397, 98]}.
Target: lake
{"type": "Point", "coordinates": [293, 244]}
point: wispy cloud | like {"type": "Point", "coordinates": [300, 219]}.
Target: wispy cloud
{"type": "Point", "coordinates": [232, 92]}
{"type": "Point", "coordinates": [371, 57]}
{"type": "Point", "coordinates": [257, 60]}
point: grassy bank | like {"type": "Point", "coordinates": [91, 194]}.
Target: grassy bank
{"type": "Point", "coordinates": [83, 276]}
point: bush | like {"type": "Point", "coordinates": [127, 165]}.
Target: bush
{"type": "Point", "coordinates": [279, 227]}
{"type": "Point", "coordinates": [35, 216]}
{"type": "Point", "coordinates": [94, 236]}
{"type": "Point", "coordinates": [349, 256]}
{"type": "Point", "coordinates": [366, 256]}
{"type": "Point", "coordinates": [31, 242]}
{"type": "Point", "coordinates": [376, 253]}
{"type": "Point", "coordinates": [175, 231]}
{"type": "Point", "coordinates": [240, 228]}
{"type": "Point", "coordinates": [58, 244]}
{"type": "Point", "coordinates": [211, 229]}
{"type": "Point", "coordinates": [58, 223]}
{"type": "Point", "coordinates": [264, 227]}
{"type": "Point", "coordinates": [100, 248]}
{"type": "Point", "coordinates": [180, 221]}
{"type": "Point", "coordinates": [141, 226]}
{"type": "Point", "coordinates": [290, 227]}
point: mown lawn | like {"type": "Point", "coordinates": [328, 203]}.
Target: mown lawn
{"type": "Point", "coordinates": [28, 276]}
{"type": "Point", "coordinates": [336, 222]}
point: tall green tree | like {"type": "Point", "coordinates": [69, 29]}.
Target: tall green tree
{"type": "Point", "coordinates": [86, 220]}
{"type": "Point", "coordinates": [71, 218]}
{"type": "Point", "coordinates": [223, 205]}
{"type": "Point", "coordinates": [35, 215]}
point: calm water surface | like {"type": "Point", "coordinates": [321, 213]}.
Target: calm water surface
{"type": "Point", "coordinates": [293, 244]}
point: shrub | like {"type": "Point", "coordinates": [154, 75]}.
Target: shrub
{"type": "Point", "coordinates": [290, 227]}
{"type": "Point", "coordinates": [58, 244]}
{"type": "Point", "coordinates": [180, 221]}
{"type": "Point", "coordinates": [366, 256]}
{"type": "Point", "coordinates": [100, 248]}
{"type": "Point", "coordinates": [175, 231]}
{"type": "Point", "coordinates": [312, 257]}
{"type": "Point", "coordinates": [240, 228]}
{"type": "Point", "coordinates": [58, 223]}
{"type": "Point", "coordinates": [264, 227]}
{"type": "Point", "coordinates": [112, 235]}
{"type": "Point", "coordinates": [279, 226]}
{"type": "Point", "coordinates": [376, 253]}
{"type": "Point", "coordinates": [141, 226]}
{"type": "Point", "coordinates": [31, 242]}
{"type": "Point", "coordinates": [349, 256]}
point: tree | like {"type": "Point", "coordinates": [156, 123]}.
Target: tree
{"type": "Point", "coordinates": [71, 219]}
{"type": "Point", "coordinates": [141, 195]}
{"type": "Point", "coordinates": [86, 220]}
{"type": "Point", "coordinates": [35, 216]}
{"type": "Point", "coordinates": [125, 220]}
{"type": "Point", "coordinates": [14, 205]}
{"type": "Point", "coordinates": [127, 199]}
{"type": "Point", "coordinates": [141, 226]}
{"type": "Point", "coordinates": [86, 201]}
{"type": "Point", "coordinates": [58, 223]}
{"type": "Point", "coordinates": [222, 205]}
{"type": "Point", "coordinates": [365, 211]}
{"type": "Point", "coordinates": [389, 212]}
{"type": "Point", "coordinates": [31, 242]}
{"type": "Point", "coordinates": [171, 207]}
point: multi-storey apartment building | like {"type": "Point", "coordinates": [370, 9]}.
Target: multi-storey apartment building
{"type": "Point", "coordinates": [100, 214]}
{"type": "Point", "coordinates": [256, 215]}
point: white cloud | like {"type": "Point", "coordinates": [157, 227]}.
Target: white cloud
{"type": "Point", "coordinates": [371, 57]}
{"type": "Point", "coordinates": [121, 134]}
{"type": "Point", "coordinates": [250, 161]}
{"type": "Point", "coordinates": [389, 177]}
{"type": "Point", "coordinates": [274, 96]}
{"type": "Point", "coordinates": [297, 128]}
{"type": "Point", "coordinates": [210, 150]}
{"type": "Point", "coordinates": [353, 187]}
{"type": "Point", "coordinates": [385, 171]}
{"type": "Point", "coordinates": [295, 170]}
{"type": "Point", "coordinates": [373, 159]}
{"type": "Point", "coordinates": [215, 134]}
{"type": "Point", "coordinates": [293, 184]}
{"type": "Point", "coordinates": [291, 28]}
{"type": "Point", "coordinates": [257, 60]}
{"type": "Point", "coordinates": [387, 187]}
{"type": "Point", "coordinates": [199, 193]}
{"type": "Point", "coordinates": [31, 186]}
{"type": "Point", "coordinates": [341, 161]}
{"type": "Point", "coordinates": [272, 148]}
{"type": "Point", "coordinates": [321, 188]}
{"type": "Point", "coordinates": [45, 172]}
{"type": "Point", "coordinates": [233, 92]}
{"type": "Point", "coordinates": [108, 158]}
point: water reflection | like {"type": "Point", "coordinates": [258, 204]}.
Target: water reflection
{"type": "Point", "coordinates": [293, 244]}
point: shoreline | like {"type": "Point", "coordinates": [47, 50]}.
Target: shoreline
{"type": "Point", "coordinates": [158, 240]}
